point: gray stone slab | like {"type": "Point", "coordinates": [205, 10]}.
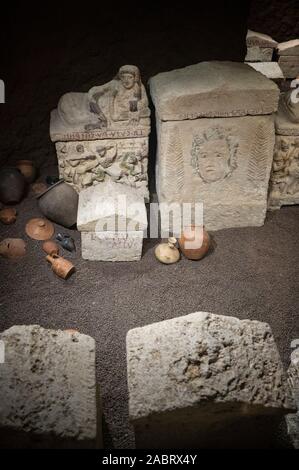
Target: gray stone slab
{"type": "Point", "coordinates": [48, 389]}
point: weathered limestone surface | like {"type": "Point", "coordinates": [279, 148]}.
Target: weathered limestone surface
{"type": "Point", "coordinates": [290, 48]}
{"type": "Point", "coordinates": [103, 134]}
{"type": "Point", "coordinates": [111, 206]}
{"type": "Point", "coordinates": [254, 38]}
{"type": "Point", "coordinates": [201, 379]}
{"type": "Point", "coordinates": [212, 89]}
{"type": "Point", "coordinates": [259, 54]}
{"type": "Point", "coordinates": [269, 69]}
{"type": "Point", "coordinates": [289, 65]}
{"type": "Point", "coordinates": [48, 389]}
{"type": "Point", "coordinates": [284, 179]}
{"type": "Point", "coordinates": [215, 133]}
{"type": "Point", "coordinates": [112, 246]}
{"type": "Point", "coordinates": [293, 419]}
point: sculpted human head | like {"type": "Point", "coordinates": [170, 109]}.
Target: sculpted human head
{"type": "Point", "coordinates": [214, 155]}
{"type": "Point", "coordinates": [129, 75]}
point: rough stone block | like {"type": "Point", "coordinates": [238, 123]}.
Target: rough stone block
{"type": "Point", "coordinates": [202, 379]}
{"type": "Point", "coordinates": [289, 66]}
{"type": "Point", "coordinates": [112, 246]}
{"type": "Point", "coordinates": [259, 54]}
{"type": "Point", "coordinates": [289, 48]}
{"type": "Point", "coordinates": [110, 207]}
{"type": "Point", "coordinates": [293, 419]}
{"type": "Point", "coordinates": [48, 390]}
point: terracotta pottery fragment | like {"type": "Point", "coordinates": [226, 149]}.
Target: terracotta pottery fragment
{"type": "Point", "coordinates": [50, 247]}
{"type": "Point", "coordinates": [13, 248]}
{"type": "Point", "coordinates": [8, 216]}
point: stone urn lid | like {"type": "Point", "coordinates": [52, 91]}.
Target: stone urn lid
{"type": "Point", "coordinates": [212, 89]}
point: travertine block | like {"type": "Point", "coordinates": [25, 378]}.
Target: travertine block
{"type": "Point", "coordinates": [215, 140]}
{"type": "Point", "coordinates": [48, 389]}
{"type": "Point", "coordinates": [112, 246]}
{"type": "Point", "coordinates": [202, 379]}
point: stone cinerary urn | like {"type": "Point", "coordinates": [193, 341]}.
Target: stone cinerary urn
{"type": "Point", "coordinates": [215, 130]}
{"type": "Point", "coordinates": [205, 380]}
{"type": "Point", "coordinates": [102, 135]}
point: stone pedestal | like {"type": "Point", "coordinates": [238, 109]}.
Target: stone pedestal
{"type": "Point", "coordinates": [102, 135]}
{"type": "Point", "coordinates": [215, 131]}
{"type": "Point", "coordinates": [205, 380]}
{"type": "Point", "coordinates": [284, 179]}
{"type": "Point", "coordinates": [48, 390]}
{"type": "Point", "coordinates": [260, 47]}
{"type": "Point", "coordinates": [112, 220]}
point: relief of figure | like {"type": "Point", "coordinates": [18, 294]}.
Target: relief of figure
{"type": "Point", "coordinates": [214, 155]}
{"type": "Point", "coordinates": [121, 101]}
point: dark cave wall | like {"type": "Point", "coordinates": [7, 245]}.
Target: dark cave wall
{"type": "Point", "coordinates": [278, 18]}
{"type": "Point", "coordinates": [70, 48]}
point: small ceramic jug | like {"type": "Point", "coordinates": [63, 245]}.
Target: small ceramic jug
{"type": "Point", "coordinates": [61, 267]}
{"type": "Point", "coordinates": [167, 253]}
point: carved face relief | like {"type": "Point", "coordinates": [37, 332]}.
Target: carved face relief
{"type": "Point", "coordinates": [213, 156]}
{"type": "Point", "coordinates": [127, 80]}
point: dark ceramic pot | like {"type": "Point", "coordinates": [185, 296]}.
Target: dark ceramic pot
{"type": "Point", "coordinates": [12, 185]}
{"type": "Point", "coordinates": [59, 203]}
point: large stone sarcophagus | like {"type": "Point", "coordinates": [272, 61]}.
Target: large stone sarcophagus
{"type": "Point", "coordinates": [102, 135]}
{"type": "Point", "coordinates": [215, 130]}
